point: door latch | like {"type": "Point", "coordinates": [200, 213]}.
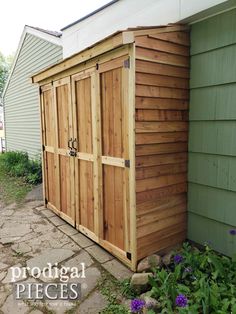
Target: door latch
{"type": "Point", "coordinates": [72, 153]}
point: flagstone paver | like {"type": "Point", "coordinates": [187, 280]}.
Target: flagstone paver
{"type": "Point", "coordinates": [13, 306]}
{"type": "Point", "coordinates": [82, 257]}
{"type": "Point", "coordinates": [82, 240]}
{"type": "Point", "coordinates": [93, 305]}
{"type": "Point", "coordinates": [99, 254]}
{"type": "Point", "coordinates": [33, 236]}
{"type": "Point", "coordinates": [52, 256]}
{"type": "Point", "coordinates": [117, 269]}
{"type": "Point", "coordinates": [57, 221]}
{"type": "Point", "coordinates": [68, 230]}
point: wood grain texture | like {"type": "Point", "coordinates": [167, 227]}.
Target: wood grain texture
{"type": "Point", "coordinates": [161, 192]}
{"type": "Point", "coordinates": [161, 103]}
{"type": "Point", "coordinates": [161, 80]}
{"type": "Point", "coordinates": [86, 194]}
{"type": "Point", "coordinates": [113, 200]}
{"type": "Point", "coordinates": [49, 119]}
{"type": "Point", "coordinates": [152, 127]}
{"type": "Point", "coordinates": [156, 138]}
{"type": "Point", "coordinates": [50, 164]}
{"type": "Point", "coordinates": [84, 115]}
{"type": "Point", "coordinates": [151, 42]}
{"type": "Point", "coordinates": [162, 96]}
{"type": "Point", "coordinates": [162, 57]}
{"type": "Point", "coordinates": [156, 171]}
{"type": "Point", "coordinates": [156, 149]}
{"type": "Point", "coordinates": [161, 115]}
{"type": "Point", "coordinates": [181, 38]}
{"type": "Point", "coordinates": [151, 66]}
{"type": "Point", "coordinates": [163, 159]}
{"type": "Point", "coordinates": [161, 92]}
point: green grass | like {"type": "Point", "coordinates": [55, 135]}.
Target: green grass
{"type": "Point", "coordinates": [18, 174]}
{"type": "Point", "coordinates": [12, 189]}
{"type": "Point", "coordinates": [115, 292]}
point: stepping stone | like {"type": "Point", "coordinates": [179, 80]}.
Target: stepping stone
{"type": "Point", "coordinates": [3, 296]}
{"type": "Point", "coordinates": [99, 254]}
{"type": "Point", "coordinates": [83, 257]}
{"type": "Point", "coordinates": [21, 248]}
{"type": "Point", "coordinates": [9, 279]}
{"type": "Point", "coordinates": [49, 256]}
{"type": "Point", "coordinates": [57, 221]}
{"type": "Point", "coordinates": [59, 306]}
{"type": "Point", "coordinates": [14, 306]}
{"type": "Point", "coordinates": [81, 240]}
{"type": "Point", "coordinates": [47, 213]}
{"type": "Point", "coordinates": [117, 269]}
{"type": "Point", "coordinates": [94, 304]}
{"type": "Point", "coordinates": [68, 230]}
{"type": "Point", "coordinates": [18, 230]}
{"type": "Point", "coordinates": [3, 266]}
{"type": "Point", "coordinates": [89, 283]}
{"type": "Point", "coordinates": [2, 275]}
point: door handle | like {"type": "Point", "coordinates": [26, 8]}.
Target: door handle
{"type": "Point", "coordinates": [70, 140]}
{"type": "Point", "coordinates": [73, 144]}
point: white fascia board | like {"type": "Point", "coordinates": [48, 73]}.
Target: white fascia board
{"type": "Point", "coordinates": [29, 30]}
{"type": "Point", "coordinates": [40, 34]}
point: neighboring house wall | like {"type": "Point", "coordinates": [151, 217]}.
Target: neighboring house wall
{"type": "Point", "coordinates": [212, 137]}
{"type": "Point", "coordinates": [129, 13]}
{"type": "Point", "coordinates": [21, 100]}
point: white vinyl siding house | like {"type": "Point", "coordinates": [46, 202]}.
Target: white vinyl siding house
{"type": "Point", "coordinates": [37, 50]}
{"type": "Point", "coordinates": [122, 14]}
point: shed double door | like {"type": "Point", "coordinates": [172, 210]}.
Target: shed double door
{"type": "Point", "coordinates": [91, 188]}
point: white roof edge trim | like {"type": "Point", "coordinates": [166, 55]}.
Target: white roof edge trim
{"type": "Point", "coordinates": [29, 30]}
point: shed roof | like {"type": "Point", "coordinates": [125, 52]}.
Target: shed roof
{"type": "Point", "coordinates": [109, 43]}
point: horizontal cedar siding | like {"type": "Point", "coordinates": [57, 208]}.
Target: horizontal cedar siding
{"type": "Point", "coordinates": [162, 97]}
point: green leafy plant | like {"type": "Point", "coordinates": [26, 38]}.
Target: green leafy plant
{"type": "Point", "coordinates": [18, 164]}
{"type": "Point", "coordinates": [196, 281]}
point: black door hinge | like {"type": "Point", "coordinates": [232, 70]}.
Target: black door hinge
{"type": "Point", "coordinates": [127, 163]}
{"type": "Point", "coordinates": [127, 63]}
{"type": "Point", "coordinates": [43, 148]}
{"type": "Point", "coordinates": [46, 201]}
{"type": "Point", "coordinates": [128, 255]}
{"type": "Point", "coordinates": [97, 66]}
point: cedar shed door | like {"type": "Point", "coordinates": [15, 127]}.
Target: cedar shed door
{"type": "Point", "coordinates": [115, 156]}
{"type": "Point", "coordinates": [64, 173]}
{"type": "Point", "coordinates": [84, 160]}
{"type": "Point", "coordinates": [48, 141]}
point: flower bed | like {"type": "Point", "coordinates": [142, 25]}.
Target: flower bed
{"type": "Point", "coordinates": [194, 281]}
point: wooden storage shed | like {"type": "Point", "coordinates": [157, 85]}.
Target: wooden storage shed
{"type": "Point", "coordinates": [114, 133]}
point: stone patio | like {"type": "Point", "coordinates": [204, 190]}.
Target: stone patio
{"type": "Point", "coordinates": [33, 236]}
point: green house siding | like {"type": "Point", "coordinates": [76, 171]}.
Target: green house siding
{"type": "Point", "coordinates": [21, 101]}
{"type": "Point", "coordinates": [212, 132]}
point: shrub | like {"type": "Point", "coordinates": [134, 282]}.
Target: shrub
{"type": "Point", "coordinates": [18, 164]}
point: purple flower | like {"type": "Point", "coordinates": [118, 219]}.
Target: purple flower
{"type": "Point", "coordinates": [232, 231]}
{"type": "Point", "coordinates": [137, 305]}
{"type": "Point", "coordinates": [178, 258]}
{"type": "Point", "coordinates": [188, 269]}
{"type": "Point", "coordinates": [181, 300]}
